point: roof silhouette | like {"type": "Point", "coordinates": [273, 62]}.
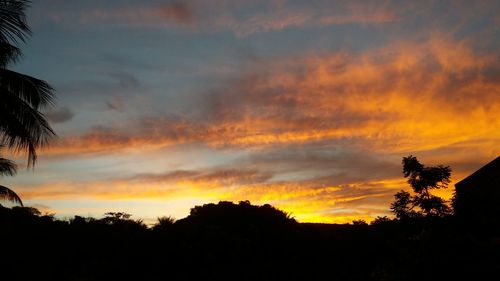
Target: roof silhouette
{"type": "Point", "coordinates": [488, 175]}
{"type": "Point", "coordinates": [478, 195]}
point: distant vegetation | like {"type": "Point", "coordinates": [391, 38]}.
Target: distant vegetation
{"type": "Point", "coordinates": [228, 241]}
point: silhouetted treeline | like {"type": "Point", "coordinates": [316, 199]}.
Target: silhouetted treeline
{"type": "Point", "coordinates": [229, 241]}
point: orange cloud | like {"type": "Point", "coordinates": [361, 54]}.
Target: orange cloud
{"type": "Point", "coordinates": [408, 96]}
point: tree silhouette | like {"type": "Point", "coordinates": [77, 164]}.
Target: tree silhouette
{"type": "Point", "coordinates": [226, 212]}
{"type": "Point", "coordinates": [121, 220]}
{"type": "Point", "coordinates": [114, 218]}
{"type": "Point", "coordinates": [422, 179]}
{"type": "Point", "coordinates": [402, 206]}
{"type": "Point", "coordinates": [8, 167]}
{"type": "Point", "coordinates": [22, 126]}
{"type": "Point", "coordinates": [9, 195]}
{"type": "Point", "coordinates": [164, 223]}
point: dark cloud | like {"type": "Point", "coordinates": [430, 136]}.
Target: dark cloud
{"type": "Point", "coordinates": [221, 176]}
{"type": "Point", "coordinates": [60, 115]}
{"type": "Point", "coordinates": [115, 60]}
{"type": "Point", "coordinates": [327, 165]}
{"type": "Point", "coordinates": [117, 103]}
{"type": "Point", "coordinates": [125, 80]}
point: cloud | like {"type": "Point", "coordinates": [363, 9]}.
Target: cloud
{"type": "Point", "coordinates": [326, 164]}
{"type": "Point", "coordinates": [181, 12]}
{"type": "Point", "coordinates": [262, 23]}
{"type": "Point", "coordinates": [312, 182]}
{"type": "Point", "coordinates": [60, 115]}
{"type": "Point", "coordinates": [117, 103]}
{"type": "Point", "coordinates": [336, 186]}
{"type": "Point", "coordinates": [407, 96]}
{"type": "Point", "coordinates": [361, 14]}
{"type": "Point", "coordinates": [218, 177]}
{"type": "Point", "coordinates": [118, 13]}
{"type": "Point", "coordinates": [171, 184]}
{"type": "Point", "coordinates": [125, 80]}
{"type": "Point", "coordinates": [243, 18]}
{"type": "Point", "coordinates": [324, 14]}
{"type": "Point", "coordinates": [143, 15]}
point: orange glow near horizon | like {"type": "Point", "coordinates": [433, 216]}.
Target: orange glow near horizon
{"type": "Point", "coordinates": [307, 202]}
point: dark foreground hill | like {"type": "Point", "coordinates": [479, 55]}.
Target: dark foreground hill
{"type": "Point", "coordinates": [243, 242]}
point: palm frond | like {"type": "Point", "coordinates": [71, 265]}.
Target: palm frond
{"type": "Point", "coordinates": [9, 195]}
{"type": "Point", "coordinates": [8, 54]}
{"type": "Point", "coordinates": [37, 93]}
{"type": "Point", "coordinates": [21, 126]}
{"type": "Point", "coordinates": [7, 167]}
{"type": "Point", "coordinates": [13, 25]}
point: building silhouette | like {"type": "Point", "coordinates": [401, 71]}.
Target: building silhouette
{"type": "Point", "coordinates": [478, 195]}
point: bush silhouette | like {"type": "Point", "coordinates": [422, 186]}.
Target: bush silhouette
{"type": "Point", "coordinates": [241, 215]}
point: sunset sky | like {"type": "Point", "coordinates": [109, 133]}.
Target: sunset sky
{"type": "Point", "coordinates": [306, 105]}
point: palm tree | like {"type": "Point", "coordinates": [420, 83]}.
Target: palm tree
{"type": "Point", "coordinates": [8, 167]}
{"type": "Point", "coordinates": [22, 126]}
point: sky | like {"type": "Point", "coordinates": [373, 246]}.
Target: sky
{"type": "Point", "coordinates": [306, 105]}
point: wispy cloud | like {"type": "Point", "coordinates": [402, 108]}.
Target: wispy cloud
{"type": "Point", "coordinates": [306, 17]}
{"type": "Point", "coordinates": [404, 97]}
{"type": "Point", "coordinates": [257, 17]}
{"type": "Point", "coordinates": [143, 14]}
{"type": "Point", "coordinates": [60, 115]}
{"type": "Point", "coordinates": [305, 199]}
{"type": "Point", "coordinates": [181, 12]}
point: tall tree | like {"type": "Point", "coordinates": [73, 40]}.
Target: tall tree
{"type": "Point", "coordinates": [23, 127]}
{"type": "Point", "coordinates": [422, 179]}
